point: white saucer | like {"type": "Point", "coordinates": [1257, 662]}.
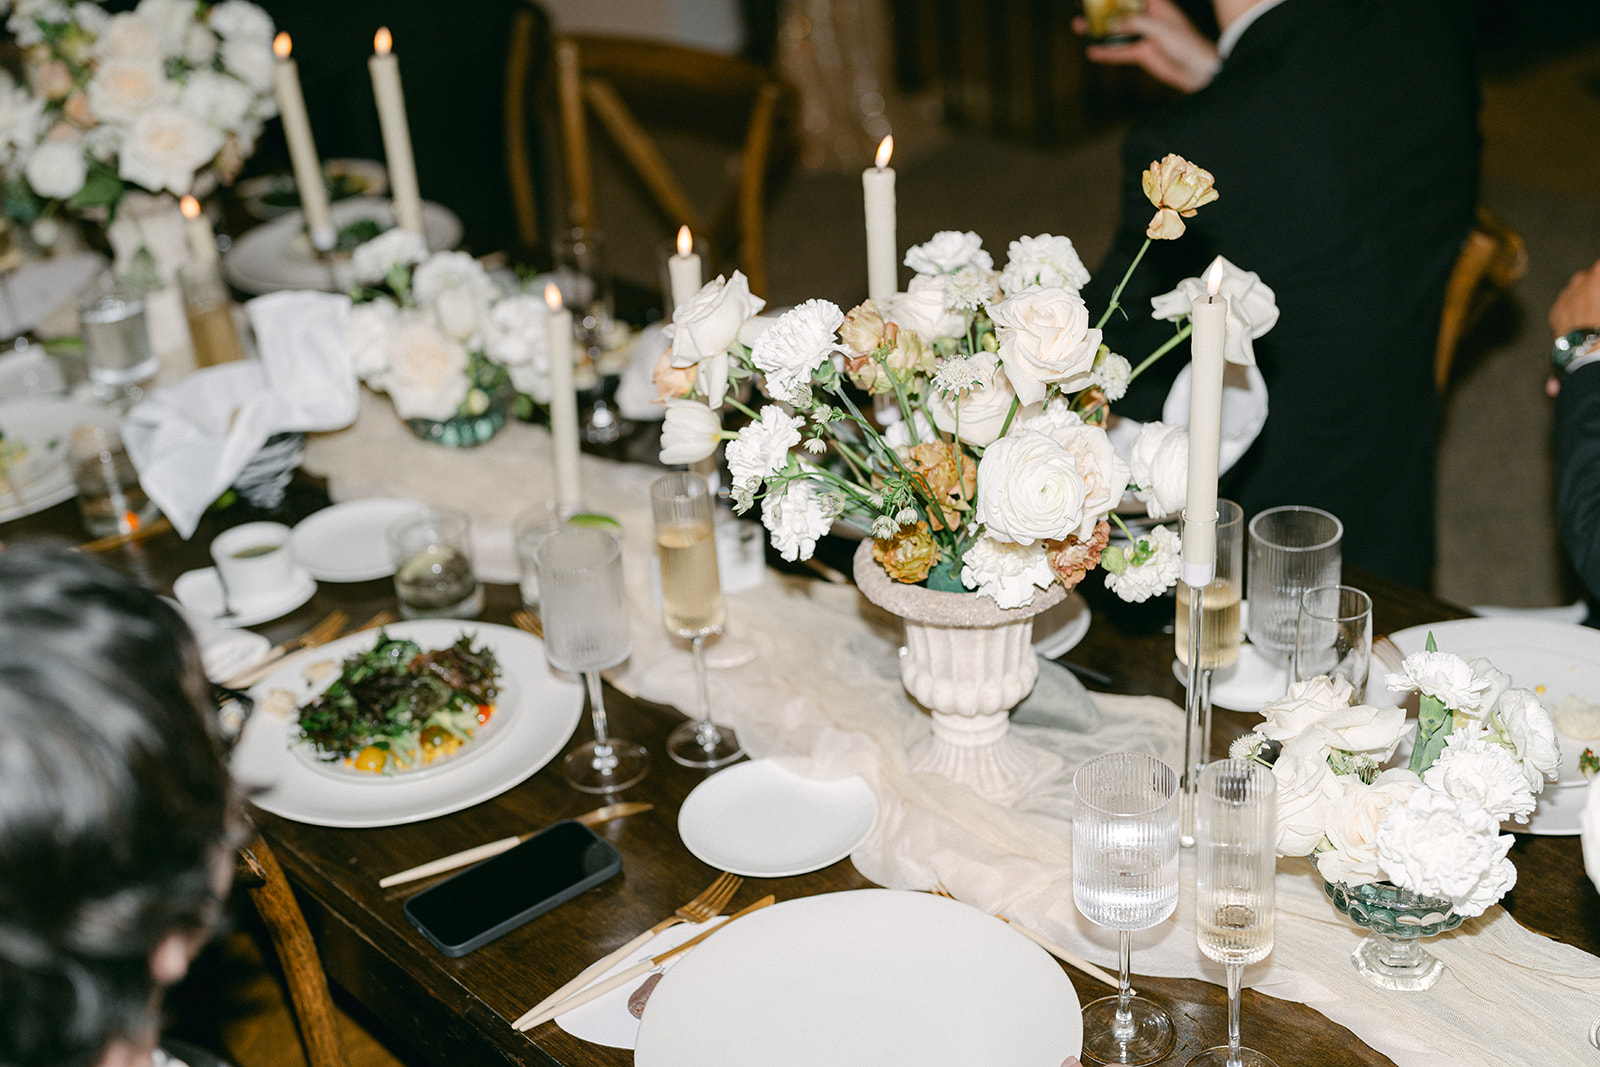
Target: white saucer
{"type": "Point", "coordinates": [1254, 681]}
{"type": "Point", "coordinates": [759, 820]}
{"type": "Point", "coordinates": [1057, 630]}
{"type": "Point", "coordinates": [201, 593]}
{"type": "Point", "coordinates": [347, 543]}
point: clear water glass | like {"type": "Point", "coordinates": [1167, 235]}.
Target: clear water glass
{"type": "Point", "coordinates": [1125, 876]}
{"type": "Point", "coordinates": [1292, 549]}
{"type": "Point", "coordinates": [116, 339]}
{"type": "Point", "coordinates": [1334, 636]}
{"type": "Point", "coordinates": [1235, 898]}
{"type": "Point", "coordinates": [434, 577]}
{"type": "Point", "coordinates": [1211, 636]}
{"type": "Point", "coordinates": [584, 608]}
{"type": "Point", "coordinates": [692, 606]}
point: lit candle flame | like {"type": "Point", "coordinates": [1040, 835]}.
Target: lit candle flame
{"type": "Point", "coordinates": [1214, 278]}
{"type": "Point", "coordinates": [552, 296]}
{"type": "Point", "coordinates": [190, 207]}
{"type": "Point", "coordinates": [685, 241]}
{"type": "Point", "coordinates": [885, 150]}
{"type": "Point", "coordinates": [383, 41]}
{"type": "Point", "coordinates": [281, 46]}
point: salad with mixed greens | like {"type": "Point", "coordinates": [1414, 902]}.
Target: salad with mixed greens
{"type": "Point", "coordinates": [397, 707]}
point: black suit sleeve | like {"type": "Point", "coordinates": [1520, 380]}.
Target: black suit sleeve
{"type": "Point", "coordinates": [1577, 461]}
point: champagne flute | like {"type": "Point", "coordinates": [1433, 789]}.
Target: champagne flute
{"type": "Point", "coordinates": [1234, 888]}
{"type": "Point", "coordinates": [691, 604]}
{"type": "Point", "coordinates": [1208, 632]}
{"type": "Point", "coordinates": [1125, 876]}
{"type": "Point", "coordinates": [584, 609]}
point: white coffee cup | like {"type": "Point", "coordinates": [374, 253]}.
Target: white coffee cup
{"type": "Point", "coordinates": [255, 563]}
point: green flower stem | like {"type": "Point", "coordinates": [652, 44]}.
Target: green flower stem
{"type": "Point", "coordinates": [889, 453]}
{"type": "Point", "coordinates": [1170, 344]}
{"type": "Point", "coordinates": [905, 410]}
{"type": "Point", "coordinates": [1123, 527]}
{"type": "Point", "coordinates": [734, 403]}
{"type": "Point", "coordinates": [1116, 293]}
{"type": "Point", "coordinates": [1016, 405]}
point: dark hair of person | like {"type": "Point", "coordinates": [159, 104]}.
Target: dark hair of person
{"type": "Point", "coordinates": [114, 803]}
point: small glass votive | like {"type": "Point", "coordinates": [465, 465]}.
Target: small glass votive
{"type": "Point", "coordinates": [434, 577]}
{"type": "Point", "coordinates": [209, 309]}
{"type": "Point", "coordinates": [109, 494]}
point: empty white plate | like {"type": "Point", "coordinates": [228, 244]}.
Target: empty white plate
{"type": "Point", "coordinates": [346, 542]}
{"type": "Point", "coordinates": [759, 820]}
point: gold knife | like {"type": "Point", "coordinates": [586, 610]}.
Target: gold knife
{"type": "Point", "coordinates": [638, 970]}
{"type": "Point", "coordinates": [494, 848]}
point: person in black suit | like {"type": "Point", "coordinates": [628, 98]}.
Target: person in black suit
{"type": "Point", "coordinates": [1575, 384]}
{"type": "Point", "coordinates": [1344, 142]}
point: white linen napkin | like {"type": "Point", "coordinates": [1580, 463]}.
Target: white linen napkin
{"type": "Point", "coordinates": [1244, 408]}
{"type": "Point", "coordinates": [190, 440]}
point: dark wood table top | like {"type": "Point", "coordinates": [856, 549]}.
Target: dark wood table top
{"type": "Point", "coordinates": [457, 1011]}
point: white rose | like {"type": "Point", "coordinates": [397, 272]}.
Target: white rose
{"type": "Point", "coordinates": [164, 149]}
{"type": "Point", "coordinates": [249, 60]}
{"type": "Point", "coordinates": [170, 19]}
{"type": "Point", "coordinates": [427, 377]}
{"type": "Point", "coordinates": [372, 260]}
{"type": "Point", "coordinates": [924, 309]}
{"type": "Point", "coordinates": [793, 348]}
{"type": "Point", "coordinates": [983, 409]}
{"type": "Point", "coordinates": [1442, 846]}
{"type": "Point", "coordinates": [1364, 730]}
{"type": "Point", "coordinates": [127, 36]}
{"type": "Point", "coordinates": [1252, 309]}
{"type": "Point", "coordinates": [761, 449]}
{"type": "Point", "coordinates": [1443, 676]}
{"type": "Point", "coordinates": [444, 271]}
{"type": "Point", "coordinates": [25, 19]}
{"type": "Point", "coordinates": [1303, 706]}
{"type": "Point", "coordinates": [367, 332]}
{"type": "Point", "coordinates": [706, 326]}
{"type": "Point", "coordinates": [1045, 337]}
{"type": "Point", "coordinates": [217, 99]}
{"type": "Point", "coordinates": [1308, 795]}
{"type": "Point", "coordinates": [1029, 489]}
{"type": "Point", "coordinates": [125, 87]}
{"type": "Point", "coordinates": [1158, 465]}
{"type": "Point", "coordinates": [795, 519]}
{"type": "Point", "coordinates": [1484, 772]}
{"type": "Point", "coordinates": [1531, 730]}
{"type": "Point", "coordinates": [240, 19]}
{"type": "Point", "coordinates": [56, 170]}
{"type": "Point", "coordinates": [199, 47]}
{"type": "Point", "coordinates": [516, 330]}
{"type": "Point", "coordinates": [1043, 260]}
{"type": "Point", "coordinates": [1352, 827]}
{"type": "Point", "coordinates": [689, 432]}
{"type": "Point", "coordinates": [947, 252]}
{"type": "Point", "coordinates": [1006, 573]}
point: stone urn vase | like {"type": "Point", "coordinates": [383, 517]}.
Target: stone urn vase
{"type": "Point", "coordinates": [969, 662]}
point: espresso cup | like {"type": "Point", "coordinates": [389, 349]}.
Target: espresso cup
{"type": "Point", "coordinates": [255, 564]}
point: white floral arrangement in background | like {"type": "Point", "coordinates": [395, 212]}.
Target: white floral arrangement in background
{"type": "Point", "coordinates": [1483, 753]}
{"type": "Point", "coordinates": [995, 472]}
{"type": "Point", "coordinates": [436, 333]}
{"type": "Point", "coordinates": [168, 97]}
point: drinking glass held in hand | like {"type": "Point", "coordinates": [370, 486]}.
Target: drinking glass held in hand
{"type": "Point", "coordinates": [1125, 876]}
{"type": "Point", "coordinates": [1334, 637]}
{"type": "Point", "coordinates": [691, 604]}
{"type": "Point", "coordinates": [584, 609]}
{"type": "Point", "coordinates": [1236, 859]}
{"type": "Point", "coordinates": [1291, 549]}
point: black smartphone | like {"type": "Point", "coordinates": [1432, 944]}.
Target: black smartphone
{"type": "Point", "coordinates": [471, 909]}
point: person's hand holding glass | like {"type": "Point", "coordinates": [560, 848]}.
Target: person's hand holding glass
{"type": "Point", "coordinates": [691, 604]}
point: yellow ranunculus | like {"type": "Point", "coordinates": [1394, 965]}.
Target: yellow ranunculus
{"type": "Point", "coordinates": [1177, 188]}
{"type": "Point", "coordinates": [909, 555]}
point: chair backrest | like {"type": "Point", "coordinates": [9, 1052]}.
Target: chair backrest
{"type": "Point", "coordinates": [258, 871]}
{"type": "Point", "coordinates": [1492, 259]}
{"type": "Point", "coordinates": [627, 85]}
{"type": "Point", "coordinates": [527, 63]}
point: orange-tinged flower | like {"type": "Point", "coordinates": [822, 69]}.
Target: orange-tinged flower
{"type": "Point", "coordinates": [862, 331]}
{"type": "Point", "coordinates": [672, 381]}
{"type": "Point", "coordinates": [1178, 189]}
{"type": "Point", "coordinates": [909, 555]}
{"type": "Point", "coordinates": [938, 463]}
{"type": "Point", "coordinates": [1073, 558]}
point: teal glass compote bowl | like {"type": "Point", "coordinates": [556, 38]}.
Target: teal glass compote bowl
{"type": "Point", "coordinates": [1391, 957]}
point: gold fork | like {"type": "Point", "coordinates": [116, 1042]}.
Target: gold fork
{"type": "Point", "coordinates": [381, 619]}
{"type": "Point", "coordinates": [527, 620]}
{"type": "Point", "coordinates": [707, 905]}
{"type": "Point", "coordinates": [1071, 959]}
{"type": "Point", "coordinates": [320, 634]}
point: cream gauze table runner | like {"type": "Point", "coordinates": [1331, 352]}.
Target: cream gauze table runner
{"type": "Point", "coordinates": [822, 693]}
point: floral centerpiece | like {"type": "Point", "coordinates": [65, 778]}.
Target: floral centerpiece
{"type": "Point", "coordinates": [1431, 828]}
{"type": "Point", "coordinates": [445, 343]}
{"type": "Point", "coordinates": [169, 97]}
{"type": "Point", "coordinates": [995, 472]}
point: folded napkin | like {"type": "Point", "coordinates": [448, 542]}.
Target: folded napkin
{"type": "Point", "coordinates": [1244, 408]}
{"type": "Point", "coordinates": [636, 389]}
{"type": "Point", "coordinates": [42, 286]}
{"type": "Point", "coordinates": [190, 440]}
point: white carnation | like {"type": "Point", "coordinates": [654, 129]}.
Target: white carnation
{"type": "Point", "coordinates": [1486, 773]}
{"type": "Point", "coordinates": [372, 260]}
{"type": "Point", "coordinates": [1155, 575]}
{"type": "Point", "coordinates": [1006, 573]}
{"type": "Point", "coordinates": [1351, 851]}
{"type": "Point", "coordinates": [1113, 374]}
{"type": "Point", "coordinates": [57, 170]}
{"type": "Point", "coordinates": [795, 346]}
{"type": "Point", "coordinates": [1445, 677]}
{"type": "Point", "coordinates": [762, 449]}
{"type": "Point", "coordinates": [947, 252]}
{"type": "Point", "coordinates": [516, 330]}
{"type": "Point", "coordinates": [1043, 260]}
{"type": "Point", "coordinates": [217, 99]}
{"type": "Point", "coordinates": [241, 20]}
{"type": "Point", "coordinates": [795, 518]}
{"type": "Point", "coordinates": [1442, 846]}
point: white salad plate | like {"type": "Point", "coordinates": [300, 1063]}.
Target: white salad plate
{"type": "Point", "coordinates": [276, 255]}
{"type": "Point", "coordinates": [200, 593]}
{"type": "Point", "coordinates": [759, 820]}
{"type": "Point", "coordinates": [872, 976]}
{"type": "Point", "coordinates": [1555, 660]}
{"type": "Point", "coordinates": [536, 725]}
{"type": "Point", "coordinates": [42, 478]}
{"type": "Point", "coordinates": [348, 542]}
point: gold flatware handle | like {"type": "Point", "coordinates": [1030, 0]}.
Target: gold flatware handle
{"type": "Point", "coordinates": [479, 853]}
{"type": "Point", "coordinates": [323, 632]}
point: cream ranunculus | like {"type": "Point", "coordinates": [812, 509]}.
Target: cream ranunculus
{"type": "Point", "coordinates": [1105, 475]}
{"type": "Point", "coordinates": [1308, 795]}
{"type": "Point", "coordinates": [1352, 827]}
{"type": "Point", "coordinates": [128, 36]}
{"type": "Point", "coordinates": [1177, 188]}
{"type": "Point", "coordinates": [1305, 704]}
{"type": "Point", "coordinates": [922, 308]}
{"type": "Point", "coordinates": [982, 409]}
{"type": "Point", "coordinates": [427, 376]}
{"type": "Point", "coordinates": [1252, 309]}
{"type": "Point", "coordinates": [164, 149]}
{"type": "Point", "coordinates": [1158, 465]}
{"type": "Point", "coordinates": [689, 433]}
{"type": "Point", "coordinates": [1045, 337]}
{"type": "Point", "coordinates": [1029, 489]}
{"type": "Point", "coordinates": [125, 87]}
{"type": "Point", "coordinates": [707, 325]}
{"type": "Point", "coordinates": [56, 170]}
{"type": "Point", "coordinates": [947, 252]}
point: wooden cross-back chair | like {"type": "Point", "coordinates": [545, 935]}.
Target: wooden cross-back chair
{"type": "Point", "coordinates": [1492, 259]}
{"type": "Point", "coordinates": [631, 85]}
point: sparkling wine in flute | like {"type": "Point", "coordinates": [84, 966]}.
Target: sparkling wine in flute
{"type": "Point", "coordinates": [212, 331]}
{"type": "Point", "coordinates": [1234, 929]}
{"type": "Point", "coordinates": [691, 594]}
{"type": "Point", "coordinates": [1219, 625]}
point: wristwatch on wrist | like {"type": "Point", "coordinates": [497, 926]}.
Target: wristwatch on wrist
{"type": "Point", "coordinates": [1574, 349]}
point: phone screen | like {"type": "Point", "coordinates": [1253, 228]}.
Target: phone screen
{"type": "Point", "coordinates": [542, 868]}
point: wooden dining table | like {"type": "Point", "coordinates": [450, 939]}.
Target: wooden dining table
{"type": "Point", "coordinates": [458, 1011]}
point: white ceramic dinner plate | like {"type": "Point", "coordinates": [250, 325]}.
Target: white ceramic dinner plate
{"type": "Point", "coordinates": [874, 976]}
{"type": "Point", "coordinates": [536, 727]}
{"type": "Point", "coordinates": [42, 479]}
{"type": "Point", "coordinates": [1553, 659]}
{"type": "Point", "coordinates": [275, 255]}
{"type": "Point", "coordinates": [759, 820]}
{"type": "Point", "coordinates": [347, 542]}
